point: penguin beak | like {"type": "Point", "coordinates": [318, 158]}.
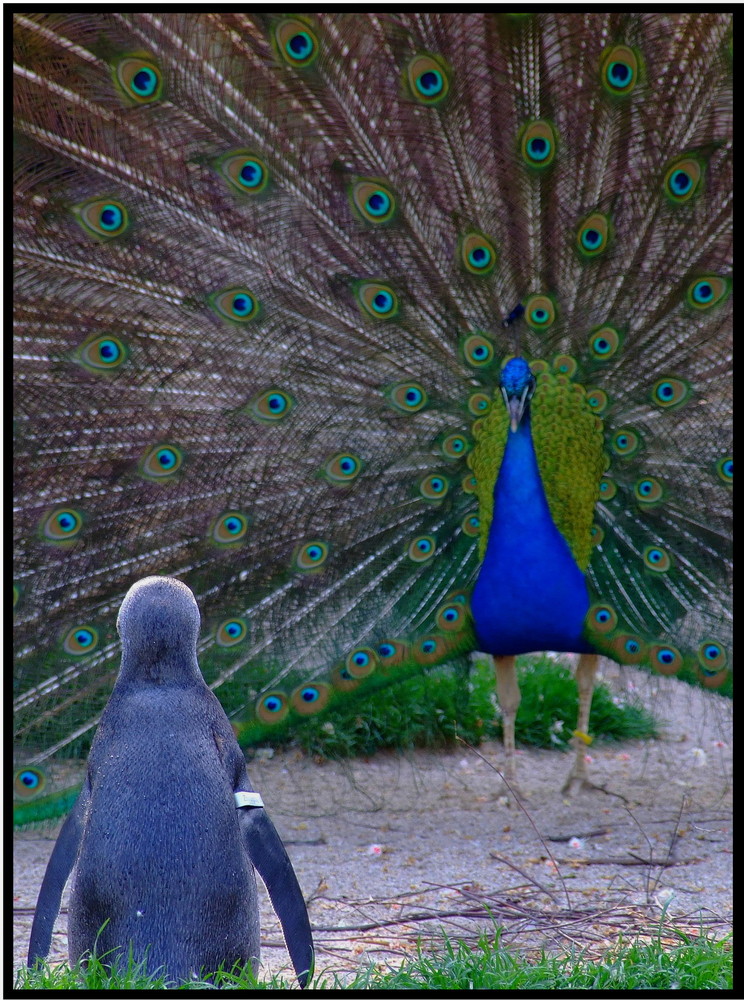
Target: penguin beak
{"type": "Point", "coordinates": [515, 405]}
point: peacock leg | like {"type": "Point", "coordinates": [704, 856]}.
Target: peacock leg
{"type": "Point", "coordinates": [507, 691]}
{"type": "Point", "coordinates": [586, 673]}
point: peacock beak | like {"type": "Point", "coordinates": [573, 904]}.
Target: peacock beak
{"type": "Point", "coordinates": [515, 405]}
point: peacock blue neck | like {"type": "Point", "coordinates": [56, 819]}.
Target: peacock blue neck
{"type": "Point", "coordinates": [530, 594]}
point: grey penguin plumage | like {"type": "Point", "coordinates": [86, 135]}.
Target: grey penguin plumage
{"type": "Point", "coordinates": [160, 851]}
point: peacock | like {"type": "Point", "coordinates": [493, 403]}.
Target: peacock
{"type": "Point", "coordinates": [394, 336]}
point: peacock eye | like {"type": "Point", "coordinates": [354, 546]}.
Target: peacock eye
{"type": "Point", "coordinates": [538, 144]}
{"type": "Point", "coordinates": [421, 548]}
{"type": "Point", "coordinates": [311, 556]}
{"type": "Point", "coordinates": [601, 618]}
{"type": "Point", "coordinates": [603, 343]}
{"type": "Point", "coordinates": [102, 353]}
{"type": "Point", "coordinates": [373, 201]}
{"type": "Point", "coordinates": [271, 405]}
{"type": "Point", "coordinates": [310, 698]}
{"type": "Point", "coordinates": [162, 461]}
{"type": "Point", "coordinates": [297, 43]}
{"type": "Point", "coordinates": [656, 559]}
{"type": "Point", "coordinates": [138, 79]}
{"type": "Point", "coordinates": [539, 312]}
{"type": "Point", "coordinates": [620, 70]}
{"type": "Point", "coordinates": [648, 491]}
{"type": "Point", "coordinates": [704, 293]}
{"type": "Point", "coordinates": [235, 304]}
{"type": "Point", "coordinates": [342, 468]}
{"type": "Point", "coordinates": [376, 300]}
{"type": "Point", "coordinates": [471, 525]}
{"type": "Point", "coordinates": [593, 235]}
{"type": "Point", "coordinates": [428, 80]}
{"type": "Point", "coordinates": [361, 662]}
{"type": "Point", "coordinates": [670, 392]}
{"type": "Point", "coordinates": [245, 172]}
{"type": "Point", "coordinates": [28, 782]}
{"type": "Point", "coordinates": [102, 217]}
{"type": "Point", "coordinates": [626, 442]}
{"type": "Point", "coordinates": [434, 487]}
{"type": "Point", "coordinates": [408, 397]}
{"type": "Point", "coordinates": [231, 632]}
{"type": "Point", "coordinates": [62, 525]}
{"type": "Point", "coordinates": [478, 350]}
{"type": "Point", "coordinates": [683, 179]}
{"type": "Point", "coordinates": [272, 707]}
{"type": "Point", "coordinates": [477, 254]}
{"type": "Point", "coordinates": [725, 469]}
{"type": "Point", "coordinates": [230, 528]}
{"type": "Point", "coordinates": [665, 659]}
{"type": "Point", "coordinates": [80, 640]}
{"type": "Point", "coordinates": [455, 446]}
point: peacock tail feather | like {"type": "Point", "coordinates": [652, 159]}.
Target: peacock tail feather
{"type": "Point", "coordinates": [268, 273]}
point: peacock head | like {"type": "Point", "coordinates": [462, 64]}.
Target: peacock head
{"type": "Point", "coordinates": [517, 386]}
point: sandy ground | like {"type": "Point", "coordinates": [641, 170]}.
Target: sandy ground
{"type": "Point", "coordinates": [400, 847]}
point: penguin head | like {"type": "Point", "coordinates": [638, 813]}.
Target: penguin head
{"type": "Point", "coordinates": [159, 626]}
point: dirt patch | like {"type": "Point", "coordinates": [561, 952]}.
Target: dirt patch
{"type": "Point", "coordinates": [402, 846]}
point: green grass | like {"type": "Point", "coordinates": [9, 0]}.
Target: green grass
{"type": "Point", "coordinates": [434, 708]}
{"type": "Point", "coordinates": [673, 960]}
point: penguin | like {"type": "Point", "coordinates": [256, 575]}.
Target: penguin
{"type": "Point", "coordinates": [167, 830]}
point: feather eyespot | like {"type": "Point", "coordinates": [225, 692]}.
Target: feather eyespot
{"type": "Point", "coordinates": [648, 491]}
{"type": "Point", "coordinates": [421, 548]}
{"type": "Point", "coordinates": [428, 80]}
{"type": "Point", "coordinates": [102, 217]}
{"type": "Point", "coordinates": [235, 304]}
{"type": "Point", "coordinates": [297, 43]}
{"type": "Point", "coordinates": [230, 528]}
{"type": "Point", "coordinates": [725, 469]}
{"type": "Point", "coordinates": [704, 293]}
{"type": "Point", "coordinates": [310, 698]}
{"type": "Point", "coordinates": [539, 312]}
{"type": "Point", "coordinates": [607, 488]}
{"type": "Point", "coordinates": [665, 659]}
{"type": "Point", "coordinates": [656, 559]}
{"type": "Point", "coordinates": [597, 400]}
{"type": "Point", "coordinates": [231, 632]}
{"type": "Point", "coordinates": [392, 652]}
{"type": "Point", "coordinates": [669, 392]}
{"type": "Point", "coordinates": [455, 446]}
{"type": "Point", "coordinates": [376, 300]}
{"type": "Point", "coordinates": [162, 461]}
{"type": "Point", "coordinates": [245, 172]}
{"type": "Point", "coordinates": [601, 618]}
{"type": "Point", "coordinates": [62, 525]}
{"type": "Point", "coordinates": [374, 202]}
{"type": "Point", "coordinates": [479, 404]}
{"type": "Point", "coordinates": [683, 179]}
{"type": "Point", "coordinates": [28, 782]}
{"type": "Point", "coordinates": [80, 640]}
{"type": "Point", "coordinates": [434, 487]}
{"type": "Point", "coordinates": [620, 70]}
{"type": "Point", "coordinates": [408, 397]}
{"type": "Point", "coordinates": [597, 534]}
{"type": "Point", "coordinates": [141, 80]}
{"type": "Point", "coordinates": [626, 442]}
{"type": "Point", "coordinates": [102, 353]}
{"type": "Point", "coordinates": [593, 235]}
{"type": "Point", "coordinates": [342, 468]}
{"type": "Point", "coordinates": [311, 556]}
{"type": "Point", "coordinates": [471, 525]}
{"type": "Point", "coordinates": [711, 664]}
{"type": "Point", "coordinates": [565, 364]}
{"type": "Point", "coordinates": [361, 662]}
{"type": "Point", "coordinates": [272, 707]}
{"type": "Point", "coordinates": [478, 350]}
{"type": "Point", "coordinates": [628, 649]}
{"type": "Point", "coordinates": [603, 343]}
{"type": "Point", "coordinates": [452, 617]}
{"type": "Point", "coordinates": [429, 649]}
{"type": "Point", "coordinates": [538, 144]}
{"type": "Point", "coordinates": [272, 405]}
{"type": "Point", "coordinates": [477, 254]}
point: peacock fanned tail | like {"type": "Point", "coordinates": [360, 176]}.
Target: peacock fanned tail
{"type": "Point", "coordinates": [268, 270]}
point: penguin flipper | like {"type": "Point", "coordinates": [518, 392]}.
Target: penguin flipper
{"type": "Point", "coordinates": [58, 870]}
{"type": "Point", "coordinates": [270, 859]}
